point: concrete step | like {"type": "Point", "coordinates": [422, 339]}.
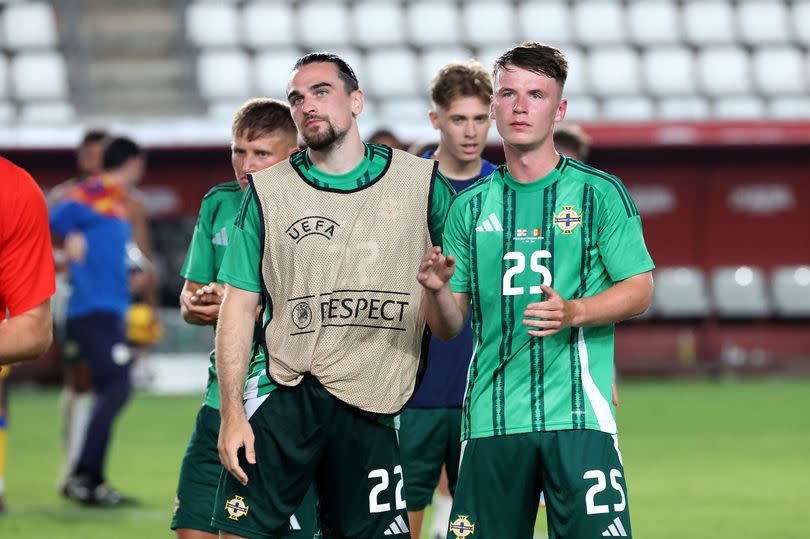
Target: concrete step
{"type": "Point", "coordinates": [131, 32]}
{"type": "Point", "coordinates": [135, 102]}
{"type": "Point", "coordinates": [140, 73]}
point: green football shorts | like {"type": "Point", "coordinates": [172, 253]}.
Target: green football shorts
{"type": "Point", "coordinates": [304, 434]}
{"type": "Point", "coordinates": [199, 477]}
{"type": "Point", "coordinates": [428, 438]}
{"type": "Point", "coordinates": [501, 477]}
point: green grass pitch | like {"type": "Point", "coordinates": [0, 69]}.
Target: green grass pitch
{"type": "Point", "coordinates": [703, 460]}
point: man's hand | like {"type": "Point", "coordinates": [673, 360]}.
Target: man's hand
{"type": "Point", "coordinates": [549, 316]}
{"type": "Point", "coordinates": [75, 247]}
{"type": "Point", "coordinates": [210, 294]}
{"type": "Point", "coordinates": [233, 434]}
{"type": "Point", "coordinates": [200, 303]}
{"type": "Point", "coordinates": [436, 269]}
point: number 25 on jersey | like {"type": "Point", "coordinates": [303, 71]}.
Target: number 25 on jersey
{"type": "Point", "coordinates": [520, 266]}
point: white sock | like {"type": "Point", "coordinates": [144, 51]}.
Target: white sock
{"type": "Point", "coordinates": [66, 400]}
{"type": "Point", "coordinates": [65, 403]}
{"type": "Point", "coordinates": [441, 514]}
{"type": "Point", "coordinates": [76, 418]}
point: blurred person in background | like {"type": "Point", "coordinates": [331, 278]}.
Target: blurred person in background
{"type": "Point", "coordinates": [572, 141]}
{"type": "Point", "coordinates": [76, 398]}
{"type": "Point", "coordinates": [143, 328]}
{"type": "Point", "coordinates": [325, 235]}
{"type": "Point", "coordinates": [263, 134]}
{"type": "Point", "coordinates": [387, 137]}
{"type": "Point", "coordinates": [93, 218]}
{"type": "Point", "coordinates": [89, 162]}
{"type": "Point", "coordinates": [430, 426]}
{"type": "Point", "coordinates": [537, 405]}
{"type": "Point", "coordinates": [26, 282]}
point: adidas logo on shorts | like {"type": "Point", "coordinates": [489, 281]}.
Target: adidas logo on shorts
{"type": "Point", "coordinates": [398, 527]}
{"type": "Point", "coordinates": [615, 530]}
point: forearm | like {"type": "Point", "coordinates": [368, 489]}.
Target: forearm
{"type": "Point", "coordinates": [621, 301]}
{"type": "Point", "coordinates": [233, 341]}
{"type": "Point", "coordinates": [26, 336]}
{"type": "Point", "coordinates": [444, 315]}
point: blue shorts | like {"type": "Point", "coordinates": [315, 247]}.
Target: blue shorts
{"type": "Point", "coordinates": [100, 340]}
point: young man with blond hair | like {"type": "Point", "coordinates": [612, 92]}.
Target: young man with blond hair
{"type": "Point", "coordinates": [263, 134]}
{"type": "Point", "coordinates": [550, 254]}
{"type": "Point", "coordinates": [430, 427]}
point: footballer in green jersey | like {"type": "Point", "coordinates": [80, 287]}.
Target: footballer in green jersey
{"type": "Point", "coordinates": [263, 135]}
{"type": "Point", "coordinates": [334, 439]}
{"type": "Point", "coordinates": [549, 255]}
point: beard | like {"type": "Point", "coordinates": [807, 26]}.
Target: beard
{"type": "Point", "coordinates": [321, 140]}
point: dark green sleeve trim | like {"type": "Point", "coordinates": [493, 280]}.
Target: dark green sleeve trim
{"type": "Point", "coordinates": [629, 205]}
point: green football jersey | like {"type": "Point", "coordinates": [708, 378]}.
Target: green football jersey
{"type": "Point", "coordinates": [241, 266]}
{"type": "Point", "coordinates": [576, 230]}
{"type": "Point", "coordinates": [212, 233]}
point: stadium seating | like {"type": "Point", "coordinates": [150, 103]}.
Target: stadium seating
{"type": "Point", "coordinates": [264, 25]}
{"type": "Point", "coordinates": [30, 25]}
{"type": "Point", "coordinates": [378, 24]}
{"type": "Point", "coordinates": [740, 292]}
{"type": "Point", "coordinates": [212, 24]}
{"type": "Point", "coordinates": [652, 22]}
{"type": "Point", "coordinates": [313, 17]}
{"type": "Point", "coordinates": [791, 291]}
{"type": "Point", "coordinates": [224, 74]}
{"type": "Point", "coordinates": [547, 21]}
{"type": "Point", "coordinates": [763, 22]}
{"type": "Point", "coordinates": [628, 59]}
{"type": "Point", "coordinates": [39, 75]}
{"type": "Point", "coordinates": [680, 292]}
{"type": "Point", "coordinates": [434, 59]}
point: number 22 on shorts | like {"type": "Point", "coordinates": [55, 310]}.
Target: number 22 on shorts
{"type": "Point", "coordinates": [374, 505]}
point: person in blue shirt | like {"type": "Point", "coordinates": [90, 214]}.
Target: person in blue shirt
{"type": "Point", "coordinates": [94, 220]}
{"type": "Point", "coordinates": [430, 426]}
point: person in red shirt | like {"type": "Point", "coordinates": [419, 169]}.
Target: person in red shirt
{"type": "Point", "coordinates": [26, 280]}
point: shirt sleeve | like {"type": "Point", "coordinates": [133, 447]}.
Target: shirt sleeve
{"type": "Point", "coordinates": [457, 243]}
{"type": "Point", "coordinates": [241, 266]}
{"type": "Point", "coordinates": [26, 258]}
{"type": "Point", "coordinates": [443, 194]}
{"type": "Point", "coordinates": [69, 216]}
{"type": "Point", "coordinates": [199, 263]}
{"type": "Point", "coordinates": [621, 241]}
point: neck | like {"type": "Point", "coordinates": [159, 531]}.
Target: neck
{"type": "Point", "coordinates": [342, 156]}
{"type": "Point", "coordinates": [454, 168]}
{"type": "Point", "coordinates": [526, 166]}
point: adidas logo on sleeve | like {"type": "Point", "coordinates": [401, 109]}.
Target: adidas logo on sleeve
{"type": "Point", "coordinates": [490, 224]}
{"type": "Point", "coordinates": [221, 237]}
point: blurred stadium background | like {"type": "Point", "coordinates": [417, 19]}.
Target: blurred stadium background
{"type": "Point", "coordinates": [702, 107]}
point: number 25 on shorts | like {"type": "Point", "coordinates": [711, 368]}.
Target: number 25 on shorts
{"type": "Point", "coordinates": [599, 487]}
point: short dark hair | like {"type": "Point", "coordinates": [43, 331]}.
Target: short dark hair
{"type": "Point", "coordinates": [572, 138]}
{"type": "Point", "coordinates": [92, 136]}
{"type": "Point", "coordinates": [535, 57]}
{"type": "Point", "coordinates": [345, 71]}
{"type": "Point", "coordinates": [118, 151]}
{"type": "Point", "coordinates": [262, 116]}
